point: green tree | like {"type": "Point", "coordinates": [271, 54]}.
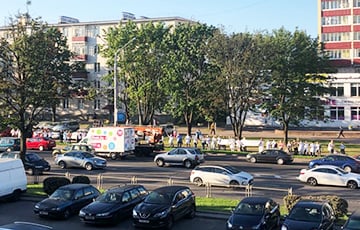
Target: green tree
{"type": "Point", "coordinates": [298, 82]}
{"type": "Point", "coordinates": [189, 73]}
{"type": "Point", "coordinates": [141, 65]}
{"type": "Point", "coordinates": [242, 60]}
{"type": "Point", "coordinates": [35, 63]}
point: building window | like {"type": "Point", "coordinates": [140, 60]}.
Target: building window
{"type": "Point", "coordinates": [355, 89]}
{"type": "Point", "coordinates": [337, 113]}
{"type": "Point", "coordinates": [97, 84]}
{"type": "Point", "coordinates": [337, 90]}
{"type": "Point", "coordinates": [97, 67]}
{"type": "Point", "coordinates": [97, 104]}
{"type": "Point", "coordinates": [355, 113]}
{"type": "Point", "coordinates": [65, 103]}
{"type": "Point", "coordinates": [80, 103]}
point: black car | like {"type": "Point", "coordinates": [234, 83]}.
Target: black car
{"type": "Point", "coordinates": [163, 206]}
{"type": "Point", "coordinates": [66, 200]}
{"type": "Point", "coordinates": [114, 204]}
{"type": "Point", "coordinates": [255, 213]}
{"type": "Point", "coordinates": [33, 162]}
{"type": "Point", "coordinates": [353, 222]}
{"type": "Point", "coordinates": [307, 214]}
{"type": "Point", "coordinates": [270, 156]}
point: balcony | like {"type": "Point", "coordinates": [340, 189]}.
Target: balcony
{"type": "Point", "coordinates": [81, 57]}
{"type": "Point", "coordinates": [80, 75]}
{"type": "Point", "coordinates": [79, 39]}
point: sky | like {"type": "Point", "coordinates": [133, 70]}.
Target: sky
{"type": "Point", "coordinates": [234, 16]}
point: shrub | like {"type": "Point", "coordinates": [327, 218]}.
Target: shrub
{"type": "Point", "coordinates": [339, 205]}
{"type": "Point", "coordinates": [53, 183]}
{"type": "Point", "coordinates": [81, 180]}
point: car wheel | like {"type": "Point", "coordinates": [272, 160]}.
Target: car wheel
{"type": "Point", "coordinates": [253, 160]}
{"type": "Point", "coordinates": [187, 164]}
{"type": "Point", "coordinates": [66, 214]}
{"type": "Point", "coordinates": [280, 161]}
{"type": "Point", "coordinates": [352, 184]}
{"type": "Point", "coordinates": [55, 153]}
{"type": "Point", "coordinates": [347, 168]}
{"type": "Point", "coordinates": [62, 164]}
{"type": "Point", "coordinates": [160, 162]}
{"type": "Point", "coordinates": [198, 181]}
{"type": "Point", "coordinates": [113, 156]}
{"type": "Point", "coordinates": [88, 166]}
{"type": "Point", "coordinates": [170, 223]}
{"type": "Point", "coordinates": [41, 148]}
{"type": "Point", "coordinates": [16, 195]}
{"type": "Point", "coordinates": [192, 212]}
{"type": "Point", "coordinates": [234, 184]}
{"type": "Point", "coordinates": [312, 181]}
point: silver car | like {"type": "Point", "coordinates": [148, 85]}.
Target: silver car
{"type": "Point", "coordinates": [80, 159]}
{"type": "Point", "coordinates": [188, 157]}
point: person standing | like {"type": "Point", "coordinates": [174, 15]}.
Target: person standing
{"type": "Point", "coordinates": [342, 148]}
{"type": "Point", "coordinates": [261, 145]}
{"type": "Point", "coordinates": [331, 147]}
{"type": "Point", "coordinates": [341, 133]}
{"type": "Point", "coordinates": [187, 140]}
{"type": "Point", "coordinates": [212, 128]}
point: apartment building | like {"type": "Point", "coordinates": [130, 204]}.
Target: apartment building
{"type": "Point", "coordinates": [84, 39]}
{"type": "Point", "coordinates": [339, 29]}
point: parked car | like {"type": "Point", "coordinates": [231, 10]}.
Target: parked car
{"type": "Point", "coordinates": [114, 204]}
{"type": "Point", "coordinates": [80, 159]}
{"type": "Point", "coordinates": [353, 222]}
{"type": "Point", "coordinates": [307, 214]}
{"type": "Point", "coordinates": [188, 157]}
{"type": "Point", "coordinates": [9, 144]}
{"type": "Point", "coordinates": [66, 200]}
{"type": "Point", "coordinates": [40, 143]}
{"type": "Point", "coordinates": [347, 163]}
{"type": "Point", "coordinates": [45, 125]}
{"type": "Point", "coordinates": [18, 225]}
{"type": "Point", "coordinates": [33, 162]}
{"type": "Point", "coordinates": [329, 175]}
{"type": "Point", "coordinates": [255, 213]}
{"type": "Point", "coordinates": [66, 125]}
{"type": "Point", "coordinates": [220, 176]}
{"type": "Point", "coordinates": [73, 147]}
{"type": "Point", "coordinates": [163, 206]}
{"type": "Point", "coordinates": [270, 156]}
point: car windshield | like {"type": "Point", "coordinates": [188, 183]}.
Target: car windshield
{"type": "Point", "coordinates": [33, 157]}
{"type": "Point", "coordinates": [109, 197]}
{"type": "Point", "coordinates": [62, 194]}
{"type": "Point", "coordinates": [233, 170]}
{"type": "Point", "coordinates": [250, 209]}
{"type": "Point", "coordinates": [305, 214]}
{"type": "Point", "coordinates": [88, 155]}
{"type": "Point", "coordinates": [353, 224]}
{"type": "Point", "coordinates": [158, 198]}
{"type": "Point", "coordinates": [341, 171]}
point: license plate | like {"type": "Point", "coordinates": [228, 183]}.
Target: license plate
{"type": "Point", "coordinates": [43, 213]}
{"type": "Point", "coordinates": [143, 221]}
{"type": "Point", "coordinates": [89, 217]}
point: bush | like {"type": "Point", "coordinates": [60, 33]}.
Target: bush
{"type": "Point", "coordinates": [339, 205]}
{"type": "Point", "coordinates": [53, 183]}
{"type": "Point", "coordinates": [81, 180]}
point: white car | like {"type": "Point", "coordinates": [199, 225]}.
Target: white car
{"type": "Point", "coordinates": [220, 176]}
{"type": "Point", "coordinates": [329, 175]}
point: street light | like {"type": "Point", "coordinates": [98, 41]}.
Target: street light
{"type": "Point", "coordinates": [121, 49]}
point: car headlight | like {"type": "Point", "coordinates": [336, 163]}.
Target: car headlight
{"type": "Point", "coordinates": [248, 156]}
{"type": "Point", "coordinates": [37, 206]}
{"type": "Point", "coordinates": [134, 213]}
{"type": "Point", "coordinates": [229, 224]}
{"type": "Point", "coordinates": [162, 214]}
{"type": "Point", "coordinates": [103, 214]}
{"type": "Point", "coordinates": [283, 227]}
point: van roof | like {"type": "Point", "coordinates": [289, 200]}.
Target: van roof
{"type": "Point", "coordinates": [9, 163]}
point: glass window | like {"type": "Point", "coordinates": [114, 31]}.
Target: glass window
{"type": "Point", "coordinates": [126, 197]}
{"type": "Point", "coordinates": [134, 193]}
{"type": "Point", "coordinates": [80, 103]}
{"type": "Point", "coordinates": [355, 113]}
{"type": "Point", "coordinates": [337, 90]}
{"type": "Point", "coordinates": [65, 103]}
{"type": "Point", "coordinates": [337, 113]}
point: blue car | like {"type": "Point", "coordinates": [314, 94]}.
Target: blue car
{"type": "Point", "coordinates": [347, 163]}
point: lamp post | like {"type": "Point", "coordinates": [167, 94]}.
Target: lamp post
{"type": "Point", "coordinates": [121, 49]}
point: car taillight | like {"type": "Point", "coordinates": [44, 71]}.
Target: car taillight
{"type": "Point", "coordinates": [192, 172]}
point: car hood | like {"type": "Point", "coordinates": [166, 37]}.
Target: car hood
{"type": "Point", "coordinates": [244, 174]}
{"type": "Point", "coordinates": [99, 207]}
{"type": "Point", "coordinates": [245, 220]}
{"type": "Point", "coordinates": [150, 208]}
{"type": "Point", "coordinates": [53, 203]}
{"type": "Point", "coordinates": [300, 225]}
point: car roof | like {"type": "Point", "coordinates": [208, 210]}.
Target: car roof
{"type": "Point", "coordinates": [120, 189]}
{"type": "Point", "coordinates": [310, 203]}
{"type": "Point", "coordinates": [75, 186]}
{"type": "Point", "coordinates": [170, 189]}
{"type": "Point", "coordinates": [326, 166]}
{"type": "Point", "coordinates": [255, 199]}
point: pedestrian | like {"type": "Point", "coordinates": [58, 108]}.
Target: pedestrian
{"type": "Point", "coordinates": [171, 141]}
{"type": "Point", "coordinates": [301, 147]}
{"type": "Point", "coordinates": [331, 147]}
{"type": "Point", "coordinates": [318, 148]}
{"type": "Point", "coordinates": [187, 140]}
{"type": "Point", "coordinates": [342, 148]}
{"type": "Point", "coordinates": [312, 149]}
{"type": "Point", "coordinates": [212, 128]}
{"type": "Point", "coordinates": [268, 144]}
{"type": "Point", "coordinates": [195, 141]}
{"type": "Point", "coordinates": [341, 133]}
{"type": "Point", "coordinates": [261, 145]}
{"type": "Point", "coordinates": [179, 141]}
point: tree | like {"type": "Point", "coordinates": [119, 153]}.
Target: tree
{"type": "Point", "coordinates": [141, 63]}
{"type": "Point", "coordinates": [242, 60]}
{"type": "Point", "coordinates": [35, 63]}
{"type": "Point", "coordinates": [189, 73]}
{"type": "Point", "coordinates": [298, 64]}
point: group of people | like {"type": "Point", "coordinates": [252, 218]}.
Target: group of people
{"type": "Point", "coordinates": [197, 140]}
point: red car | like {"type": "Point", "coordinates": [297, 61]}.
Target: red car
{"type": "Point", "coordinates": [40, 143]}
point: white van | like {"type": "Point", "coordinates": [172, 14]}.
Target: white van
{"type": "Point", "coordinates": [13, 180]}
